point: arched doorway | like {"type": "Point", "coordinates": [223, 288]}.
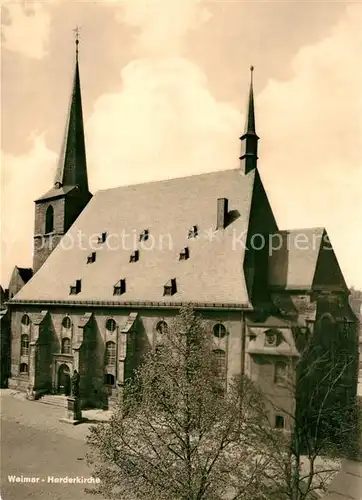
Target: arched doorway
{"type": "Point", "coordinates": [64, 380]}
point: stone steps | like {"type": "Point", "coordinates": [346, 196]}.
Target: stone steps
{"type": "Point", "coordinates": [54, 400]}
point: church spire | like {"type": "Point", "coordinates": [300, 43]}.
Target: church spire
{"type": "Point", "coordinates": [250, 139]}
{"type": "Point", "coordinates": [72, 166]}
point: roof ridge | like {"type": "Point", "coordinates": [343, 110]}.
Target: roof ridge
{"type": "Point", "coordinates": [235, 169]}
{"type": "Point", "coordinates": [321, 228]}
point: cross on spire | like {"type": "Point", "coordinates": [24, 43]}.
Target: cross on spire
{"type": "Point", "coordinates": [77, 33]}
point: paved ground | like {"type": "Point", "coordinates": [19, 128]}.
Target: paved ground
{"type": "Point", "coordinates": [35, 444]}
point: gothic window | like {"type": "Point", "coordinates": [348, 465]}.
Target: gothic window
{"type": "Point", "coordinates": [67, 323]}
{"type": "Point", "coordinates": [110, 353]}
{"type": "Point", "coordinates": [281, 373]}
{"type": "Point", "coordinates": [66, 347]}
{"type": "Point", "coordinates": [219, 330]}
{"type": "Point", "coordinates": [24, 347]}
{"type": "Point", "coordinates": [25, 320]}
{"type": "Point", "coordinates": [279, 422]}
{"type": "Point", "coordinates": [49, 219]}
{"type": "Point", "coordinates": [24, 368]}
{"type": "Point", "coordinates": [109, 379]}
{"type": "Point", "coordinates": [111, 325]}
{"type": "Point", "coordinates": [161, 327]}
{"type": "Point", "coordinates": [220, 364]}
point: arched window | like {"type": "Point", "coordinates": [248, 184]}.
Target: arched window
{"type": "Point", "coordinates": [220, 364]}
{"type": "Point", "coordinates": [66, 346]}
{"type": "Point", "coordinates": [25, 320]}
{"type": "Point", "coordinates": [109, 379]}
{"type": "Point", "coordinates": [49, 219]}
{"type": "Point", "coordinates": [67, 323]}
{"type": "Point", "coordinates": [111, 325]}
{"type": "Point", "coordinates": [162, 327]}
{"type": "Point", "coordinates": [110, 353]}
{"type": "Point", "coordinates": [219, 330]}
{"type": "Point", "coordinates": [24, 348]}
{"type": "Point", "coordinates": [24, 368]}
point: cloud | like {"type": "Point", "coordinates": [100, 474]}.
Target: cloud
{"type": "Point", "coordinates": [311, 147]}
{"type": "Point", "coordinates": [28, 28]}
{"type": "Point", "coordinates": [164, 121]}
{"type": "Point", "coordinates": [23, 179]}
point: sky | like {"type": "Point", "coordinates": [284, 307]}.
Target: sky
{"type": "Point", "coordinates": [164, 88]}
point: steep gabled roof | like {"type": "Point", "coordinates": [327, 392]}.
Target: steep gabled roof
{"type": "Point", "coordinates": [213, 273]}
{"type": "Point", "coordinates": [26, 273]}
{"type": "Point", "coordinates": [71, 170]}
{"type": "Point", "coordinates": [303, 259]}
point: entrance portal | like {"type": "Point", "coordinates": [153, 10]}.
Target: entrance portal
{"type": "Point", "coordinates": [64, 380]}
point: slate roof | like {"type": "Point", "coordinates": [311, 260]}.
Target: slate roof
{"type": "Point", "coordinates": [213, 273]}
{"type": "Point", "coordinates": [293, 266]}
{"type": "Point", "coordinates": [55, 192]}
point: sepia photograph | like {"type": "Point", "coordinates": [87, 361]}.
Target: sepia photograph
{"type": "Point", "coordinates": [181, 250]}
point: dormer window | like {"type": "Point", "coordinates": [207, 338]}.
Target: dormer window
{"type": "Point", "coordinates": [120, 287]}
{"type": "Point", "coordinates": [193, 232]}
{"type": "Point", "coordinates": [185, 254]}
{"type": "Point", "coordinates": [76, 288]}
{"type": "Point", "coordinates": [102, 238]}
{"type": "Point", "coordinates": [134, 256]}
{"type": "Point", "coordinates": [144, 235]}
{"type": "Point", "coordinates": [91, 258]}
{"type": "Point", "coordinates": [170, 287]}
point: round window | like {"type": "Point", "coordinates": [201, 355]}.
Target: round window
{"type": "Point", "coordinates": [162, 327]}
{"type": "Point", "coordinates": [111, 325]}
{"type": "Point", "coordinates": [219, 330]}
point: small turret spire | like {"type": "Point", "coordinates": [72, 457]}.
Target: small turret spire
{"type": "Point", "coordinates": [72, 166]}
{"type": "Point", "coordinates": [249, 138]}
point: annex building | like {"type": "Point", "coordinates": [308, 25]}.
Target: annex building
{"type": "Point", "coordinates": [110, 271]}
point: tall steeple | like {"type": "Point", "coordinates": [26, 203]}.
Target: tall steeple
{"type": "Point", "coordinates": [72, 166]}
{"type": "Point", "coordinates": [59, 207]}
{"type": "Point", "coordinates": [250, 139]}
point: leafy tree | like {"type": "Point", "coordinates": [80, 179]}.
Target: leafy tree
{"type": "Point", "coordinates": [179, 435]}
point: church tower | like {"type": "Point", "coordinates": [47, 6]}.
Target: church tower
{"type": "Point", "coordinates": [249, 139]}
{"type": "Point", "coordinates": [57, 209]}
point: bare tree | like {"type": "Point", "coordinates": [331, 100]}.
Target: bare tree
{"type": "Point", "coordinates": [179, 435]}
{"type": "Point", "coordinates": [324, 416]}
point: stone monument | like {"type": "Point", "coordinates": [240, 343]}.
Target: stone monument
{"type": "Point", "coordinates": [74, 412]}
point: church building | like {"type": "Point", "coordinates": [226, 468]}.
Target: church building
{"type": "Point", "coordinates": [111, 269]}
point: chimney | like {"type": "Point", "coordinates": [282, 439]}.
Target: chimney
{"type": "Point", "coordinates": [222, 213]}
